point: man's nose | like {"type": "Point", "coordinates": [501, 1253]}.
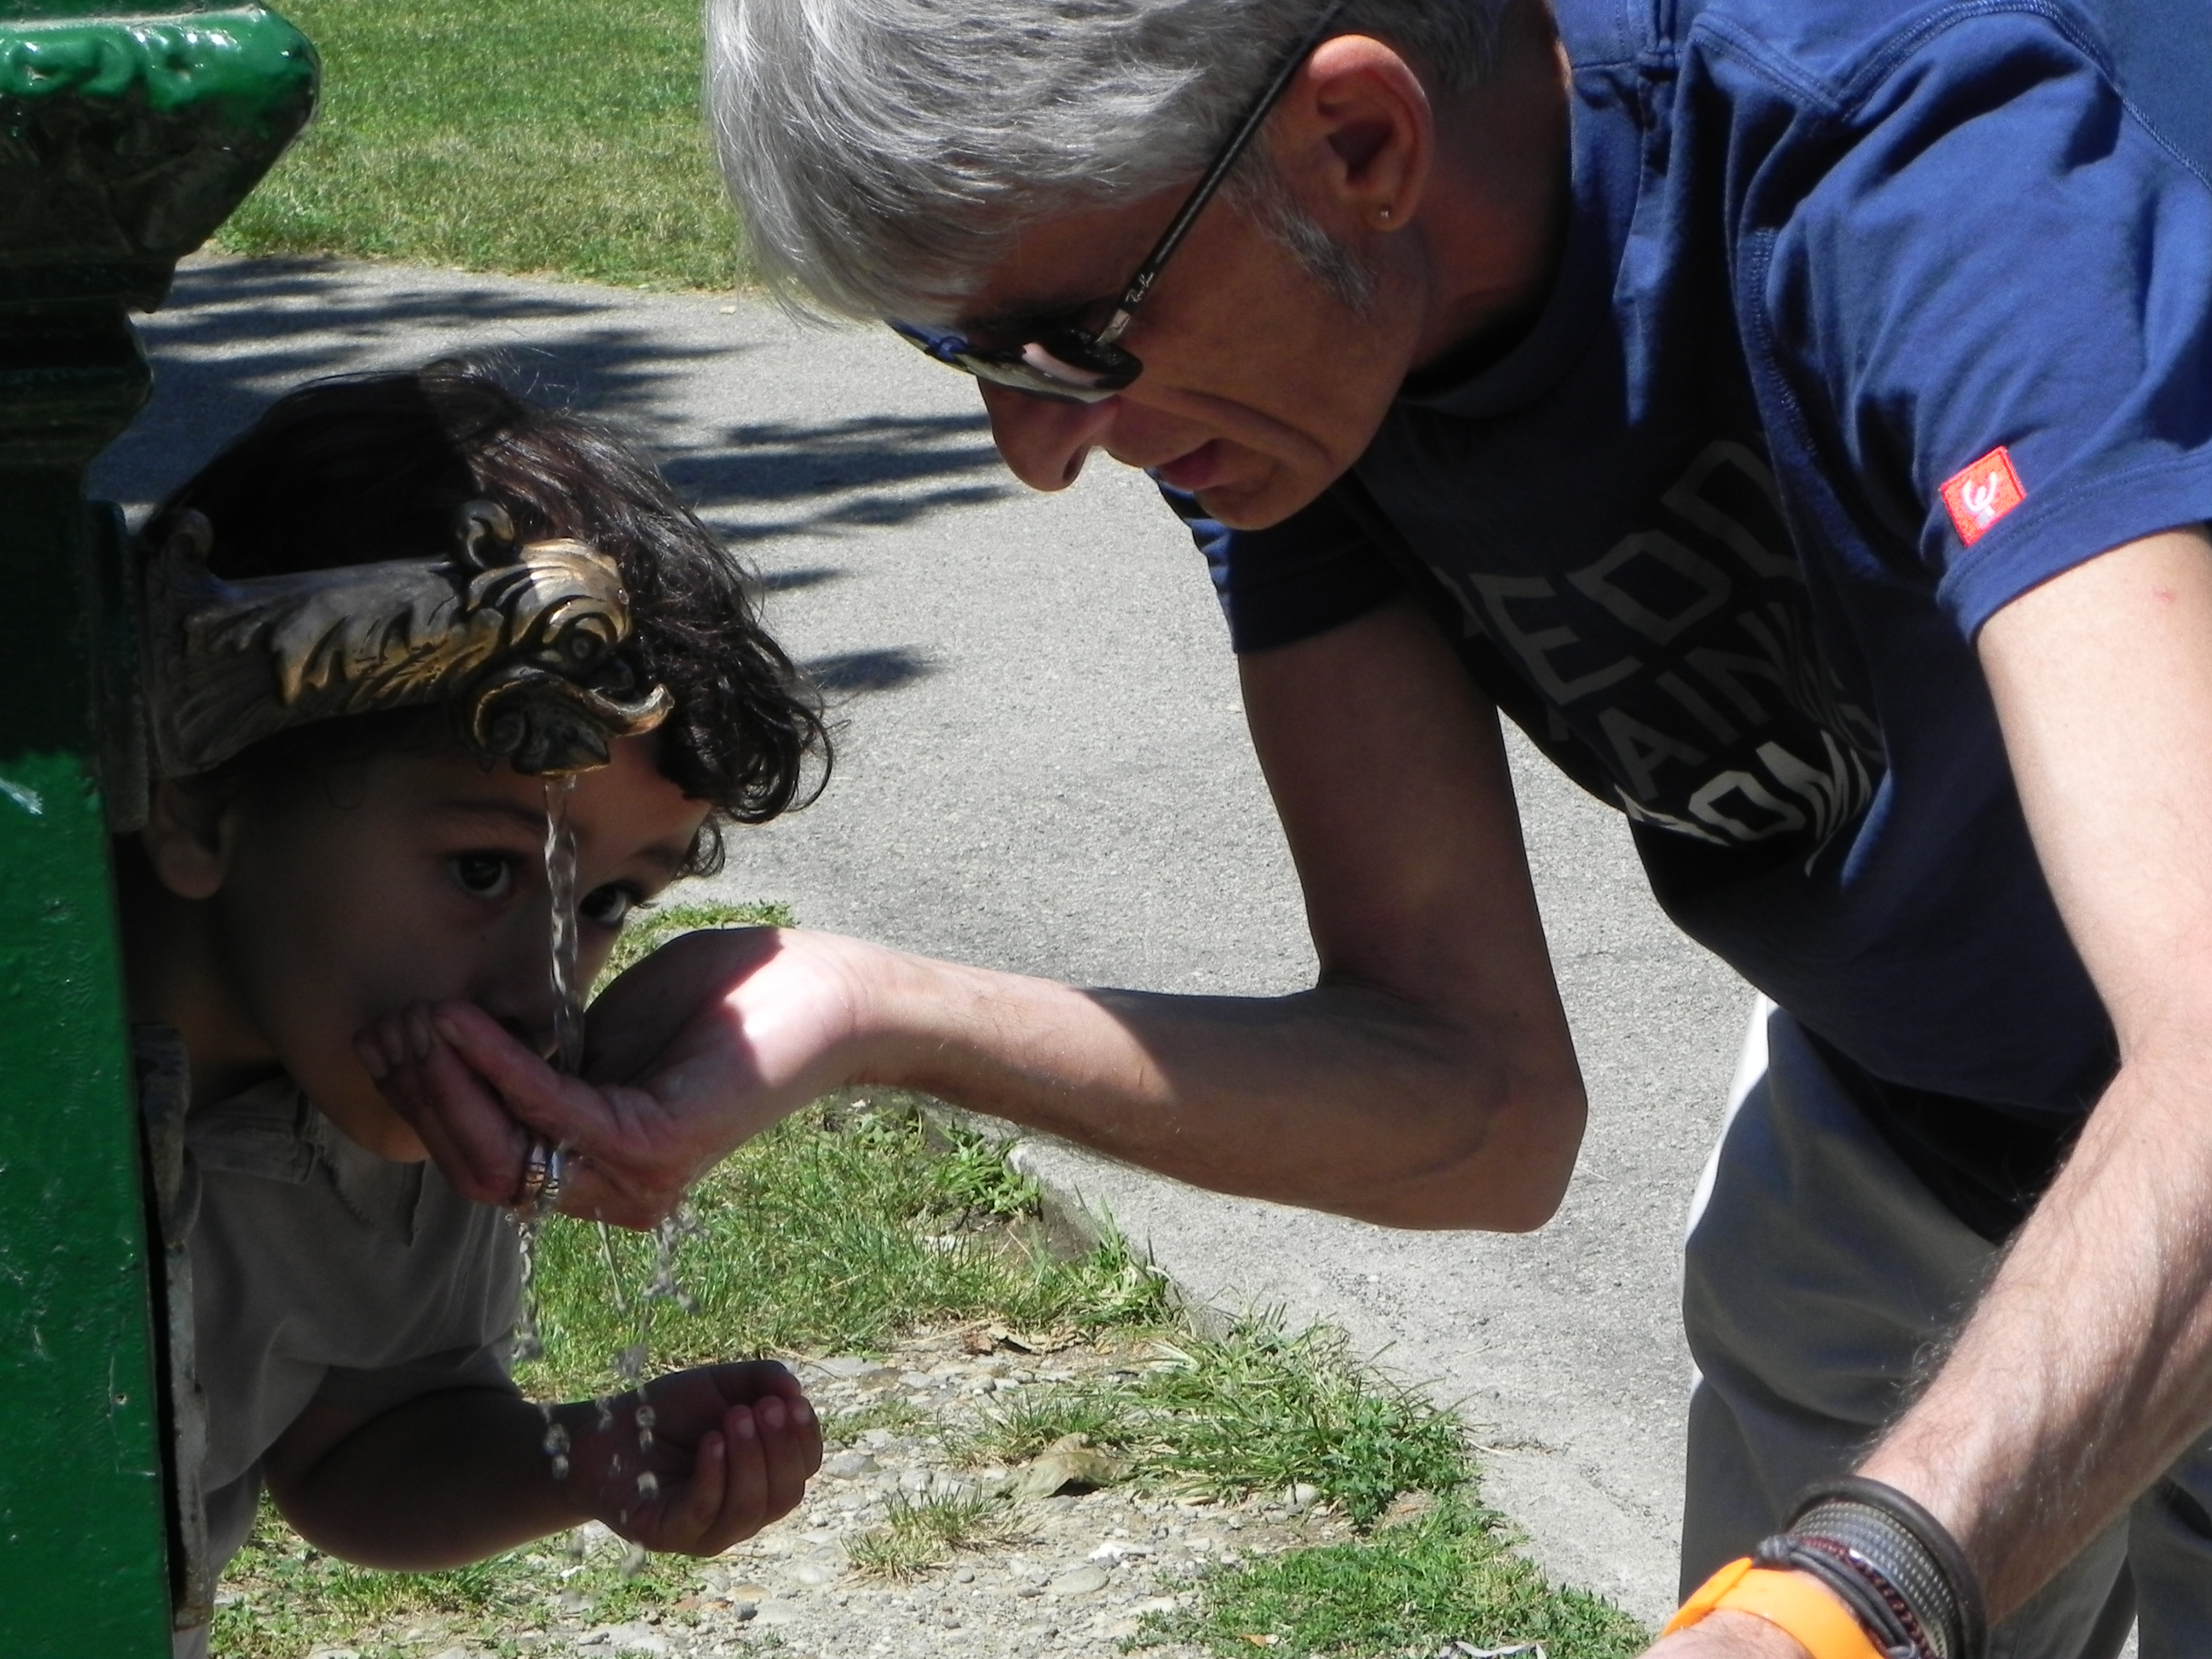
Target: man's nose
{"type": "Point", "coordinates": [1045, 441]}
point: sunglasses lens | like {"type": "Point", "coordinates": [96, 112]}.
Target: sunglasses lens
{"type": "Point", "coordinates": [1081, 364]}
{"type": "Point", "coordinates": [1065, 364]}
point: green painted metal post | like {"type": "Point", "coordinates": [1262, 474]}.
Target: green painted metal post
{"type": "Point", "coordinates": [127, 134]}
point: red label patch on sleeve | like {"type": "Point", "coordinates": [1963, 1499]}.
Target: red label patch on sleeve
{"type": "Point", "coordinates": [1982, 493]}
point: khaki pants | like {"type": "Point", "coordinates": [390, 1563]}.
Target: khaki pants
{"type": "Point", "coordinates": [1819, 1274]}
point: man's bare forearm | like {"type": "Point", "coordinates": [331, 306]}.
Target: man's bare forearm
{"type": "Point", "coordinates": [2087, 1366]}
{"type": "Point", "coordinates": [1429, 1080]}
{"type": "Point", "coordinates": [1344, 1098]}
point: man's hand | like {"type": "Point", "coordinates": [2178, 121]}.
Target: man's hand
{"type": "Point", "coordinates": [694, 1461]}
{"type": "Point", "coordinates": [711, 1039]}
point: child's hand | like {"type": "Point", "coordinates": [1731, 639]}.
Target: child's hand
{"type": "Point", "coordinates": [697, 1460]}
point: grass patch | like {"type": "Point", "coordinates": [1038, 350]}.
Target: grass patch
{"type": "Point", "coordinates": [920, 1533]}
{"type": "Point", "coordinates": [1034, 1418]}
{"type": "Point", "coordinates": [1257, 1410]}
{"type": "Point", "coordinates": [290, 1599]}
{"type": "Point", "coordinates": [1449, 1575]}
{"type": "Point", "coordinates": [831, 1233]}
{"type": "Point", "coordinates": [553, 137]}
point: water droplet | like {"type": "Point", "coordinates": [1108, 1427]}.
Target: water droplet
{"type": "Point", "coordinates": [648, 1487]}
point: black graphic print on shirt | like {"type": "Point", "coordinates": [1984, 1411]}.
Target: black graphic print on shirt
{"type": "Point", "coordinates": [1683, 661]}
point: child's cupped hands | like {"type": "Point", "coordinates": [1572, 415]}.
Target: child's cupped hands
{"type": "Point", "coordinates": [691, 1463]}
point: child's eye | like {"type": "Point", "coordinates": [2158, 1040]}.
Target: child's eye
{"type": "Point", "coordinates": [609, 906]}
{"type": "Point", "coordinates": [485, 875]}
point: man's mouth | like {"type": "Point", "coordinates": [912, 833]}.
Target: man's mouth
{"type": "Point", "coordinates": [1202, 466]}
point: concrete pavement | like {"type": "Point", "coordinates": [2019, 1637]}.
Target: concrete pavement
{"type": "Point", "coordinates": [1044, 768]}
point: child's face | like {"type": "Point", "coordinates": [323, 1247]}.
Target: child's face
{"type": "Point", "coordinates": [415, 876]}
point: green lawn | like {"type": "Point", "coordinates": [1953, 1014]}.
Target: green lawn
{"type": "Point", "coordinates": [554, 137]}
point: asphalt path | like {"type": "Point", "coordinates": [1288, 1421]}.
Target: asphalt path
{"type": "Point", "coordinates": [1043, 767]}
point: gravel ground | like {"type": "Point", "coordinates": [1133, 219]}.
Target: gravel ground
{"type": "Point", "coordinates": [1072, 1572]}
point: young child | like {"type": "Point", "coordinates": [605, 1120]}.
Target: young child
{"type": "Point", "coordinates": [377, 623]}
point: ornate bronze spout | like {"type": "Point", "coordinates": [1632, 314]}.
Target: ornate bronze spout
{"type": "Point", "coordinates": [525, 642]}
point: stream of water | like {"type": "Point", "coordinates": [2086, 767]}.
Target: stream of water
{"type": "Point", "coordinates": [628, 1367]}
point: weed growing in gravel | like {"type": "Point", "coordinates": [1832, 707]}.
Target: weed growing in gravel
{"type": "Point", "coordinates": [919, 1533]}
{"type": "Point", "coordinates": [1263, 1409]}
{"type": "Point", "coordinates": [842, 1428]}
{"type": "Point", "coordinates": [974, 1177]}
{"type": "Point", "coordinates": [1449, 1575]}
{"type": "Point", "coordinates": [1034, 1418]}
{"type": "Point", "coordinates": [1259, 1409]}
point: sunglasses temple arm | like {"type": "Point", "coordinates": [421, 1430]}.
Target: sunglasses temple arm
{"type": "Point", "coordinates": [1141, 284]}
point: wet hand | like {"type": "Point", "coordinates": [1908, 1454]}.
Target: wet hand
{"type": "Point", "coordinates": [708, 1041]}
{"type": "Point", "coordinates": [697, 1461]}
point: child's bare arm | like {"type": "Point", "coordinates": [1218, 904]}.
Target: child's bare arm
{"type": "Point", "coordinates": [452, 1477]}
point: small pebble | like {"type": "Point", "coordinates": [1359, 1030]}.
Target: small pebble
{"type": "Point", "coordinates": [814, 1572]}
{"type": "Point", "coordinates": [1079, 1581]}
{"type": "Point", "coordinates": [850, 1465]}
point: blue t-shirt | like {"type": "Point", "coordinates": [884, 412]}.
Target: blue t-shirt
{"type": "Point", "coordinates": [1871, 316]}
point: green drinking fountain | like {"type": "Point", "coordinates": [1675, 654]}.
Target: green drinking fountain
{"type": "Point", "coordinates": [127, 134]}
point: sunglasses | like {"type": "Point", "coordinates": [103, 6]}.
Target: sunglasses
{"type": "Point", "coordinates": [1056, 357]}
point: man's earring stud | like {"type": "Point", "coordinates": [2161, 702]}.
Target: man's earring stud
{"type": "Point", "coordinates": [1383, 214]}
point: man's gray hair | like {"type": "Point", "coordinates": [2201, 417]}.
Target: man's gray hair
{"type": "Point", "coordinates": [883, 154]}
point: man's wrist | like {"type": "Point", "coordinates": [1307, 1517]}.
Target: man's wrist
{"type": "Point", "coordinates": [1862, 1572]}
{"type": "Point", "coordinates": [1748, 1633]}
{"type": "Point", "coordinates": [1803, 1608]}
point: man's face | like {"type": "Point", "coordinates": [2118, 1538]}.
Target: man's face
{"type": "Point", "coordinates": [422, 876]}
{"type": "Point", "coordinates": [1260, 386]}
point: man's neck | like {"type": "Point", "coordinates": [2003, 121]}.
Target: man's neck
{"type": "Point", "coordinates": [1495, 214]}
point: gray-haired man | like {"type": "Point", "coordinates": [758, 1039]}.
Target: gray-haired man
{"type": "Point", "coordinates": [1799, 420]}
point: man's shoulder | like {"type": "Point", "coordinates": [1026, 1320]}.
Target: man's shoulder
{"type": "Point", "coordinates": [1836, 53]}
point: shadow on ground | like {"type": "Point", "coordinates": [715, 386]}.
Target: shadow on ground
{"type": "Point", "coordinates": [236, 333]}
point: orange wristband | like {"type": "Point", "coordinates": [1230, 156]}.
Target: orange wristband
{"type": "Point", "coordinates": [1794, 1602]}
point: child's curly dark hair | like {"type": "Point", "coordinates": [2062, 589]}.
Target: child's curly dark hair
{"type": "Point", "coordinates": [370, 467]}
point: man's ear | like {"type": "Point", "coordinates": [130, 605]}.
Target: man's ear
{"type": "Point", "coordinates": [187, 837]}
{"type": "Point", "coordinates": [1358, 122]}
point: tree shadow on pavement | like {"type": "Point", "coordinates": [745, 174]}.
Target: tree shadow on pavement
{"type": "Point", "coordinates": [237, 332]}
